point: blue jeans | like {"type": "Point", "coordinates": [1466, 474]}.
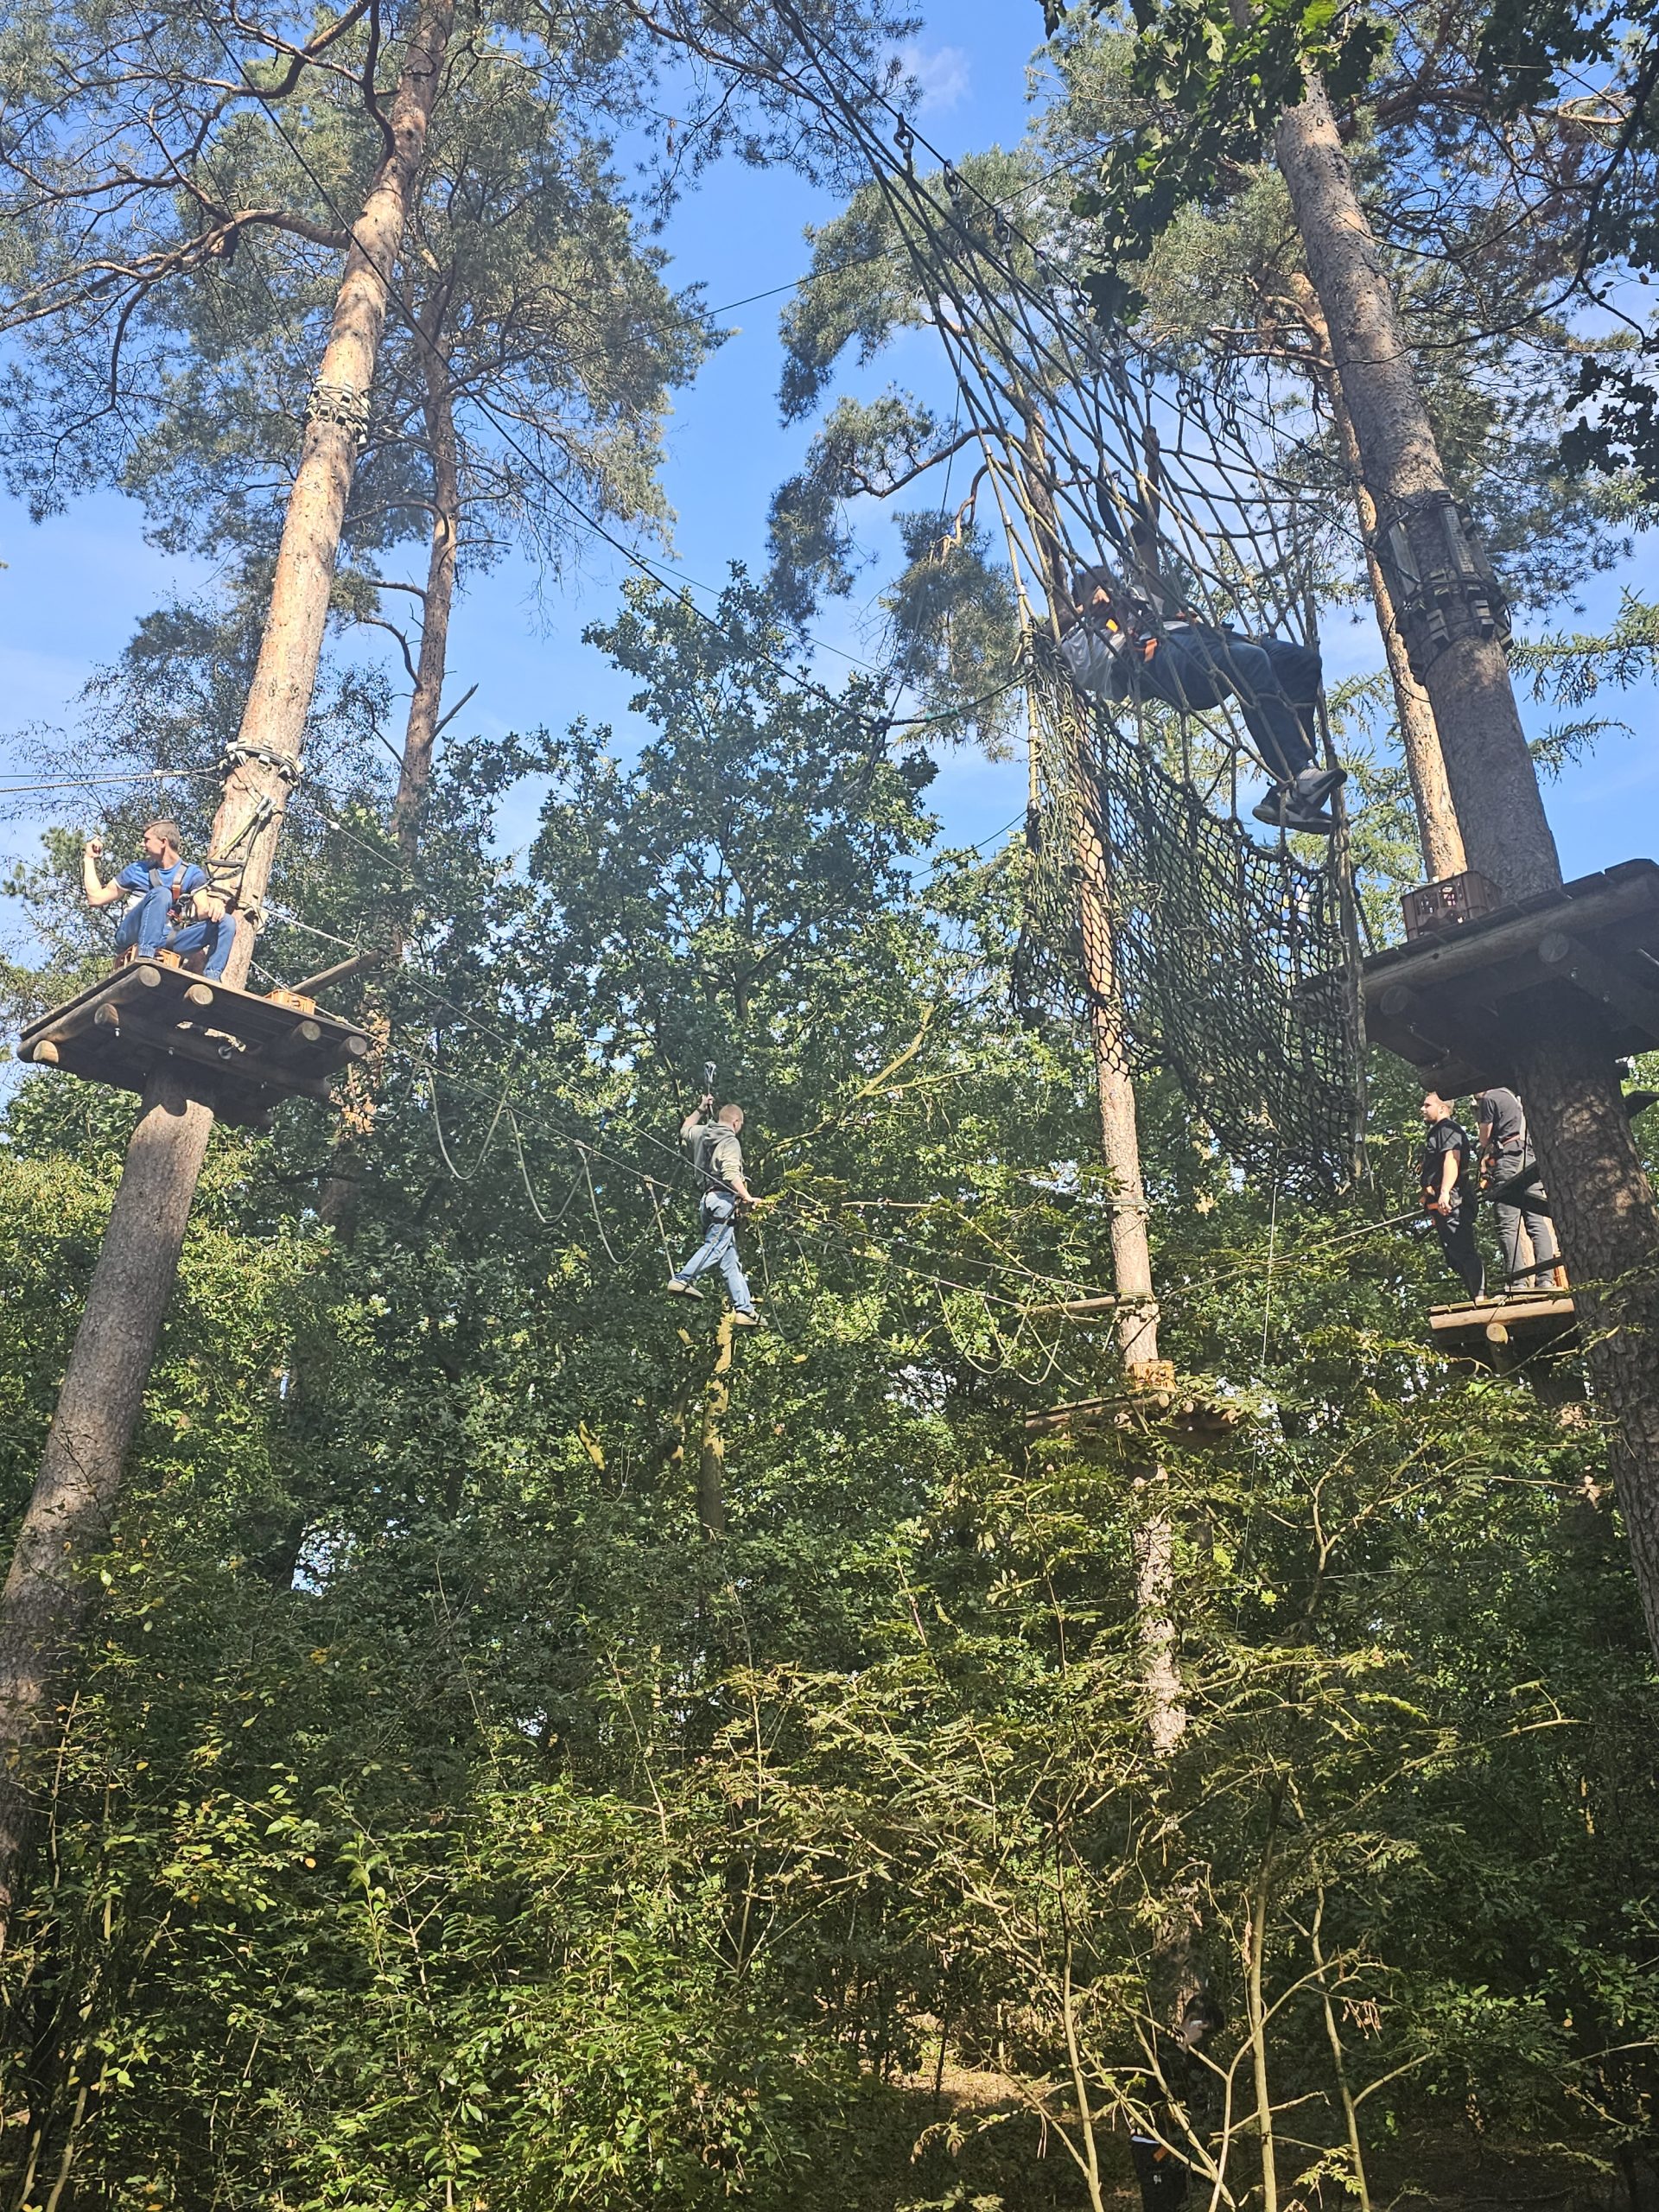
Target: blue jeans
{"type": "Point", "coordinates": [1276, 683]}
{"type": "Point", "coordinates": [719, 1250]}
{"type": "Point", "coordinates": [144, 926]}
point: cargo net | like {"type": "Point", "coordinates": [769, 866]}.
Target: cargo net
{"type": "Point", "coordinates": [1217, 959]}
{"type": "Point", "coordinates": [1193, 491]}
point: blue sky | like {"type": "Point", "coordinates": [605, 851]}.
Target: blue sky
{"type": "Point", "coordinates": [73, 587]}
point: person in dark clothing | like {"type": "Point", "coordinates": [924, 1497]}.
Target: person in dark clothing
{"type": "Point", "coordinates": [1113, 647]}
{"type": "Point", "coordinates": [718, 1157]}
{"type": "Point", "coordinates": [1163, 2173]}
{"type": "Point", "coordinates": [1449, 1191]}
{"type": "Point", "coordinates": [1509, 1166]}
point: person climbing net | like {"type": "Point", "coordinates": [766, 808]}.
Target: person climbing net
{"type": "Point", "coordinates": [1115, 646]}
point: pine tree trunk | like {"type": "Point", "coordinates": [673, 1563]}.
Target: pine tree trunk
{"type": "Point", "coordinates": [1561, 1058]}
{"type": "Point", "coordinates": [361, 1092]}
{"type": "Point", "coordinates": [69, 1515]}
{"type": "Point", "coordinates": [1419, 736]}
{"type": "Point", "coordinates": [1494, 789]}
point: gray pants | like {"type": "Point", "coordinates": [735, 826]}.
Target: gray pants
{"type": "Point", "coordinates": [1538, 1273]}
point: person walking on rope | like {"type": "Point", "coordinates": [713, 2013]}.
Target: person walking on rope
{"type": "Point", "coordinates": [1113, 647]}
{"type": "Point", "coordinates": [1509, 1178]}
{"type": "Point", "coordinates": [718, 1157]}
{"type": "Point", "coordinates": [1448, 1180]}
{"type": "Point", "coordinates": [171, 905]}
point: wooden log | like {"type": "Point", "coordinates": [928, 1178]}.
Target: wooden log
{"type": "Point", "coordinates": [108, 1017]}
{"type": "Point", "coordinates": [356, 1046]}
{"type": "Point", "coordinates": [198, 995]}
{"type": "Point", "coordinates": [303, 1037]}
{"type": "Point", "coordinates": [46, 1052]}
{"type": "Point", "coordinates": [310, 985]}
{"type": "Point", "coordinates": [1076, 1308]}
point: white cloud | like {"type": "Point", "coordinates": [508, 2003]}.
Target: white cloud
{"type": "Point", "coordinates": [942, 74]}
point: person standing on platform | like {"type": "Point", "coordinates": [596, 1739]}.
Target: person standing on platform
{"type": "Point", "coordinates": [1447, 1173]}
{"type": "Point", "coordinates": [1510, 1178]}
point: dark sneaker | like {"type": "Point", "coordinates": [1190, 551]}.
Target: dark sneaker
{"type": "Point", "coordinates": [1271, 809]}
{"type": "Point", "coordinates": [1314, 785]}
{"type": "Point", "coordinates": [683, 1289]}
{"type": "Point", "coordinates": [1283, 810]}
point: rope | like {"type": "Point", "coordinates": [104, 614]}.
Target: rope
{"type": "Point", "coordinates": [489, 1134]}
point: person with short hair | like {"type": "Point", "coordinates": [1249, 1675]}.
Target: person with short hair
{"type": "Point", "coordinates": [171, 905]}
{"type": "Point", "coordinates": [717, 1156]}
{"type": "Point", "coordinates": [1116, 647]}
{"type": "Point", "coordinates": [1449, 1191]}
{"type": "Point", "coordinates": [1187, 2081]}
{"type": "Point", "coordinates": [1509, 1172]}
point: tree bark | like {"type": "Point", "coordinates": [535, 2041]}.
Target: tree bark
{"type": "Point", "coordinates": [68, 1518]}
{"type": "Point", "coordinates": [361, 1092]}
{"type": "Point", "coordinates": [1419, 736]}
{"type": "Point", "coordinates": [1560, 1054]}
{"type": "Point", "coordinates": [421, 732]}
{"type": "Point", "coordinates": [1505, 834]}
{"type": "Point", "coordinates": [711, 1459]}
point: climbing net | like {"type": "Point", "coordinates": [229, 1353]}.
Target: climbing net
{"type": "Point", "coordinates": [1223, 963]}
{"type": "Point", "coordinates": [1232, 959]}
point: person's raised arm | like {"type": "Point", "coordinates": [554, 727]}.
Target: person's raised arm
{"type": "Point", "coordinates": [96, 893]}
{"type": "Point", "coordinates": [705, 1107]}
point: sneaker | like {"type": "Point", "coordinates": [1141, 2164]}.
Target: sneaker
{"type": "Point", "coordinates": [1314, 785]}
{"type": "Point", "coordinates": [746, 1321]}
{"type": "Point", "coordinates": [1282, 809]}
{"type": "Point", "coordinates": [683, 1289]}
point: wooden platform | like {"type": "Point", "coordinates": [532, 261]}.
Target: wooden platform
{"type": "Point", "coordinates": [241, 1053]}
{"type": "Point", "coordinates": [1499, 1331]}
{"type": "Point", "coordinates": [1439, 1000]}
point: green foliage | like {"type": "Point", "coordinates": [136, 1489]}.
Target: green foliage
{"type": "Point", "coordinates": [439, 1820]}
{"type": "Point", "coordinates": [1210, 83]}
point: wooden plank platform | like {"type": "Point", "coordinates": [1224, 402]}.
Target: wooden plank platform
{"type": "Point", "coordinates": [242, 1053]}
{"type": "Point", "coordinates": [1496, 1332]}
{"type": "Point", "coordinates": [1438, 1001]}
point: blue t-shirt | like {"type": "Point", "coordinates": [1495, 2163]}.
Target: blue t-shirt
{"type": "Point", "coordinates": [182, 876]}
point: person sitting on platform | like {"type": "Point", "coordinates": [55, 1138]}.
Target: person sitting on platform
{"type": "Point", "coordinates": [171, 905]}
{"type": "Point", "coordinates": [1448, 1180]}
{"type": "Point", "coordinates": [1114, 648]}
{"type": "Point", "coordinates": [1509, 1178]}
{"type": "Point", "coordinates": [718, 1157]}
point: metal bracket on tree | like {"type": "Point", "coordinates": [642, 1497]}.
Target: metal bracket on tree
{"type": "Point", "coordinates": [288, 766]}
{"type": "Point", "coordinates": [339, 402]}
{"type": "Point", "coordinates": [1438, 575]}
